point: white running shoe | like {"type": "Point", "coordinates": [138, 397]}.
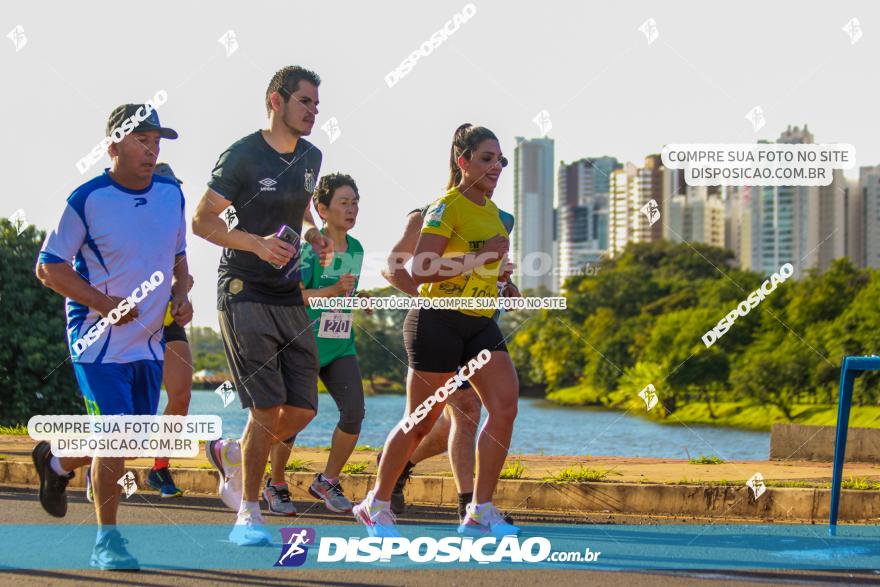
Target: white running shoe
{"type": "Point", "coordinates": [379, 520]}
{"type": "Point", "coordinates": [488, 522]}
{"type": "Point", "coordinates": [250, 530]}
{"type": "Point", "coordinates": [225, 456]}
{"type": "Point", "coordinates": [90, 493]}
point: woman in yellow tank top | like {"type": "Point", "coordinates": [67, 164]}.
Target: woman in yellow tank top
{"type": "Point", "coordinates": [462, 249]}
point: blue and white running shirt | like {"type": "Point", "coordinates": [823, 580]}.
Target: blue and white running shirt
{"type": "Point", "coordinates": [116, 239]}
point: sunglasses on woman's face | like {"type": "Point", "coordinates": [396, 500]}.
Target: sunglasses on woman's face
{"type": "Point", "coordinates": [502, 160]}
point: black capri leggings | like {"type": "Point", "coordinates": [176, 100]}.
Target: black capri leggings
{"type": "Point", "coordinates": [342, 378]}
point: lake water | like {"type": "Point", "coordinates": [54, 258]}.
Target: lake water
{"type": "Point", "coordinates": [540, 426]}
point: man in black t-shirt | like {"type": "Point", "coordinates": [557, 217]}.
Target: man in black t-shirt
{"type": "Point", "coordinates": [268, 177]}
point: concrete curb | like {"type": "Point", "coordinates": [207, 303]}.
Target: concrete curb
{"type": "Point", "coordinates": [777, 503]}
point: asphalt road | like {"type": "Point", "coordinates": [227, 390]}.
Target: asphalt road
{"type": "Point", "coordinates": [19, 505]}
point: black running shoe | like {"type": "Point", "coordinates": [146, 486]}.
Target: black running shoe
{"type": "Point", "coordinates": [53, 487]}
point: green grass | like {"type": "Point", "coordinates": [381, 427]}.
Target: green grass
{"type": "Point", "coordinates": [794, 484]}
{"type": "Point", "coordinates": [297, 465]}
{"type": "Point", "coordinates": [743, 415]}
{"type": "Point", "coordinates": [354, 468]}
{"type": "Point", "coordinates": [578, 474]}
{"type": "Point", "coordinates": [17, 430]}
{"type": "Point", "coordinates": [579, 395]}
{"type": "Point", "coordinates": [858, 483]}
{"type": "Point", "coordinates": [736, 414]}
{"type": "Point", "coordinates": [704, 460]}
{"type": "Point", "coordinates": [512, 470]}
{"type": "Point", "coordinates": [719, 483]}
{"type": "Point", "coordinates": [861, 483]}
{"type": "Point", "coordinates": [3, 457]}
{"type": "Point", "coordinates": [367, 448]}
{"type": "Point", "coordinates": [725, 483]}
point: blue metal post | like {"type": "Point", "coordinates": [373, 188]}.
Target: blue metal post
{"type": "Point", "coordinates": [847, 377]}
{"type": "Point", "coordinates": [852, 368]}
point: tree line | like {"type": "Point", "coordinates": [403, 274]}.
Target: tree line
{"type": "Point", "coordinates": [638, 320]}
{"type": "Point", "coordinates": [641, 318]}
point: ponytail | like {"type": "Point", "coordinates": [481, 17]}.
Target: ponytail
{"type": "Point", "coordinates": [466, 138]}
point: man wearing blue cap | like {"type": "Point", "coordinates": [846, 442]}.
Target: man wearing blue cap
{"type": "Point", "coordinates": [117, 255]}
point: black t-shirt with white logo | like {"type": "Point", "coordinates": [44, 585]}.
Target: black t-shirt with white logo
{"type": "Point", "coordinates": [267, 189]}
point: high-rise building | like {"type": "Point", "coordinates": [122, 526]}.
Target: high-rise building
{"type": "Point", "coordinates": [869, 197]}
{"type": "Point", "coordinates": [779, 221]}
{"type": "Point", "coordinates": [737, 224]}
{"type": "Point", "coordinates": [582, 214]}
{"type": "Point", "coordinates": [855, 217]}
{"type": "Point", "coordinates": [533, 247]}
{"type": "Point", "coordinates": [633, 188]}
{"type": "Point", "coordinates": [698, 215]}
{"type": "Point", "coordinates": [807, 226]}
{"type": "Point", "coordinates": [827, 236]}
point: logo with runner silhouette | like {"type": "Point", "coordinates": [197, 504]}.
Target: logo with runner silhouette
{"type": "Point", "coordinates": [295, 546]}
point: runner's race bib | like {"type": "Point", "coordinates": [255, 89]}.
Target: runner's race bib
{"type": "Point", "coordinates": [335, 325]}
{"type": "Point", "coordinates": [477, 287]}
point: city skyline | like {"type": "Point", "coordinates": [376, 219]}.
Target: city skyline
{"type": "Point", "coordinates": [764, 226]}
{"type": "Point", "coordinates": [395, 140]}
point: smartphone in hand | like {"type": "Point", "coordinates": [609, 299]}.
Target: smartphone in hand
{"type": "Point", "coordinates": [289, 236]}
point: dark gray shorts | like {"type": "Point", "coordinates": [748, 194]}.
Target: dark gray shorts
{"type": "Point", "coordinates": [272, 354]}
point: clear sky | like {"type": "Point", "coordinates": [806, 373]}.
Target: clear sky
{"type": "Point", "coordinates": [607, 90]}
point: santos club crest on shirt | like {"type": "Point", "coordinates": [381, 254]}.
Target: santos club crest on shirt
{"type": "Point", "coordinates": [309, 181]}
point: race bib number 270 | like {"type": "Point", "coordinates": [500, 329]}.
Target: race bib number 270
{"type": "Point", "coordinates": [335, 325]}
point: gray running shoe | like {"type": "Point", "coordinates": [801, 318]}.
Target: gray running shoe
{"type": "Point", "coordinates": [278, 499]}
{"type": "Point", "coordinates": [331, 493]}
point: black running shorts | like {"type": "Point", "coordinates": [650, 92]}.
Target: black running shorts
{"type": "Point", "coordinates": [441, 341]}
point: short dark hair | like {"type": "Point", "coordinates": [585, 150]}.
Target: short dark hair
{"type": "Point", "coordinates": [286, 82]}
{"type": "Point", "coordinates": [327, 186]}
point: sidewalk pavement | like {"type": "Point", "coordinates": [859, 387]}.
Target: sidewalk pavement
{"type": "Point", "coordinates": [619, 469]}
{"type": "Point", "coordinates": [796, 491]}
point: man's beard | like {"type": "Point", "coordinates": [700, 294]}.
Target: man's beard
{"type": "Point", "coordinates": [293, 130]}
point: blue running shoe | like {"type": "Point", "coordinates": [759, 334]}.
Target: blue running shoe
{"type": "Point", "coordinates": [161, 481]}
{"type": "Point", "coordinates": [110, 554]}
